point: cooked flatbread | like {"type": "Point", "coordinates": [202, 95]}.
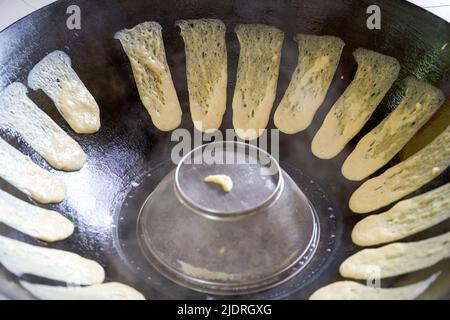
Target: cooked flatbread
{"type": "Point", "coordinates": [104, 291]}
{"type": "Point", "coordinates": [350, 290]}
{"type": "Point", "coordinates": [43, 224]}
{"type": "Point", "coordinates": [28, 177]}
{"type": "Point", "coordinates": [405, 218]}
{"type": "Point", "coordinates": [405, 177]}
{"type": "Point", "coordinates": [381, 144]}
{"type": "Point", "coordinates": [19, 113]}
{"type": "Point", "coordinates": [144, 47]}
{"type": "Point", "coordinates": [257, 77]}
{"type": "Point", "coordinates": [317, 62]}
{"type": "Point", "coordinates": [375, 75]}
{"type": "Point", "coordinates": [396, 258]}
{"type": "Point", "coordinates": [21, 258]}
{"type": "Point", "coordinates": [55, 76]}
{"type": "Point", "coordinates": [206, 70]}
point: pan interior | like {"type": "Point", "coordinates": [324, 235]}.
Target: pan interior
{"type": "Point", "coordinates": [102, 199]}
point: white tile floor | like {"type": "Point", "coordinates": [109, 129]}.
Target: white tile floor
{"type": "Point", "coordinates": [440, 8]}
{"type": "Point", "coordinates": [12, 10]}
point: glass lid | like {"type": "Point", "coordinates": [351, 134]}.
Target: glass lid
{"type": "Point", "coordinates": [254, 236]}
{"type": "Point", "coordinates": [255, 177]}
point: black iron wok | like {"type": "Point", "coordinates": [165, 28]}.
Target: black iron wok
{"type": "Point", "coordinates": [128, 146]}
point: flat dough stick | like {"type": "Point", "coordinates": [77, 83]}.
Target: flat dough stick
{"type": "Point", "coordinates": [55, 76]}
{"type": "Point", "coordinates": [20, 114]}
{"type": "Point", "coordinates": [350, 290]}
{"type": "Point", "coordinates": [381, 144]}
{"type": "Point", "coordinates": [405, 218]}
{"type": "Point", "coordinates": [317, 62]}
{"type": "Point", "coordinates": [257, 77]}
{"type": "Point", "coordinates": [396, 258]}
{"type": "Point", "coordinates": [405, 177]}
{"type": "Point", "coordinates": [144, 47]}
{"type": "Point", "coordinates": [375, 75]}
{"type": "Point", "coordinates": [104, 291]}
{"type": "Point", "coordinates": [28, 177]}
{"type": "Point", "coordinates": [46, 225]}
{"type": "Point", "coordinates": [206, 70]}
{"type": "Point", "coordinates": [21, 258]}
